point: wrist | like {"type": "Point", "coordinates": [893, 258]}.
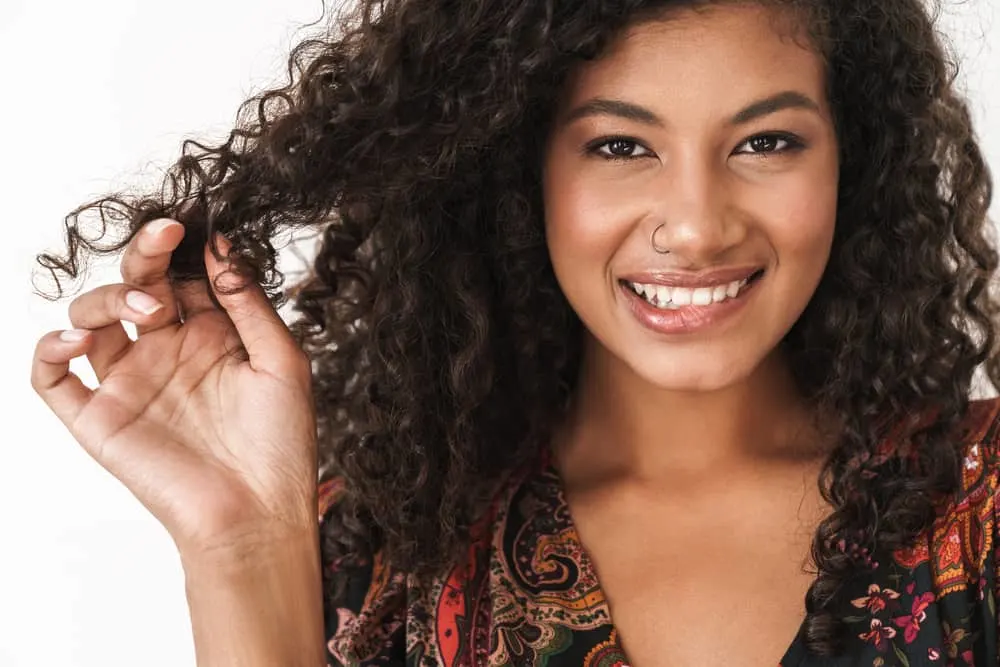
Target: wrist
{"type": "Point", "coordinates": [250, 551]}
{"type": "Point", "coordinates": [257, 602]}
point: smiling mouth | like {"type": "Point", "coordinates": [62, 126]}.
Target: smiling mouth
{"type": "Point", "coordinates": [672, 298]}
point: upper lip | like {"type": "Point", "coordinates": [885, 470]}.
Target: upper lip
{"type": "Point", "coordinates": [711, 278]}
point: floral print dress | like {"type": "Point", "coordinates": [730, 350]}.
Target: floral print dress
{"type": "Point", "coordinates": [525, 594]}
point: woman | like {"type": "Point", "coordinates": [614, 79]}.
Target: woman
{"type": "Point", "coordinates": [634, 324]}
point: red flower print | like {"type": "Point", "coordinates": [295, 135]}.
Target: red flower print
{"type": "Point", "coordinates": [918, 614]}
{"type": "Point", "coordinates": [879, 634]}
{"type": "Point", "coordinates": [876, 600]}
{"type": "Point", "coordinates": [933, 654]}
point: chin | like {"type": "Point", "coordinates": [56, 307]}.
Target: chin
{"type": "Point", "coordinates": [694, 372]}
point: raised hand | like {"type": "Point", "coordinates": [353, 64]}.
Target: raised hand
{"type": "Point", "coordinates": [219, 445]}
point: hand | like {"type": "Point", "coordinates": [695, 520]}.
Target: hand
{"type": "Point", "coordinates": [220, 448]}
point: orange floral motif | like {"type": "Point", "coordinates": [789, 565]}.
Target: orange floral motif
{"type": "Point", "coordinates": [879, 635]}
{"type": "Point", "coordinates": [877, 599]}
{"type": "Point", "coordinates": [949, 549]}
{"type": "Point", "coordinates": [963, 536]}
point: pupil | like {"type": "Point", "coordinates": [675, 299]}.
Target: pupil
{"type": "Point", "coordinates": [763, 143]}
{"type": "Point", "coordinates": [620, 147]}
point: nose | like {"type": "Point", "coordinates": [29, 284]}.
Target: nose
{"type": "Point", "coordinates": [693, 213]}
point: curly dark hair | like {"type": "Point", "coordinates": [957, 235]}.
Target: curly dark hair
{"type": "Point", "coordinates": [410, 136]}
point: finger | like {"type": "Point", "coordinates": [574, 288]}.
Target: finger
{"type": "Point", "coordinates": [145, 265]}
{"type": "Point", "coordinates": [269, 345]}
{"type": "Point", "coordinates": [70, 400]}
{"type": "Point", "coordinates": [61, 390]}
{"type": "Point", "coordinates": [101, 310]}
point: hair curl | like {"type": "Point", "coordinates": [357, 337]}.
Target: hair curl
{"type": "Point", "coordinates": [410, 135]}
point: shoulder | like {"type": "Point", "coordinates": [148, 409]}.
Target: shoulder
{"type": "Point", "coordinates": [943, 584]}
{"type": "Point", "coordinates": [979, 446]}
{"type": "Point", "coordinates": [959, 543]}
{"type": "Point", "coordinates": [976, 443]}
{"type": "Point", "coordinates": [981, 424]}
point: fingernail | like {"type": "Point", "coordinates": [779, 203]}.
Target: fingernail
{"type": "Point", "coordinates": [142, 302]}
{"type": "Point", "coordinates": [156, 226]}
{"type": "Point", "coordinates": [73, 335]}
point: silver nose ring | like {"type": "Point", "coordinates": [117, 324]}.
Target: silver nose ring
{"type": "Point", "coordinates": [652, 241]}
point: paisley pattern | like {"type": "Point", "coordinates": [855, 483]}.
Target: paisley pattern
{"type": "Point", "coordinates": [525, 593]}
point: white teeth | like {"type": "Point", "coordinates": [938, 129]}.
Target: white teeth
{"type": "Point", "coordinates": [682, 296]}
{"type": "Point", "coordinates": [663, 296]}
{"type": "Point", "coordinates": [702, 296]}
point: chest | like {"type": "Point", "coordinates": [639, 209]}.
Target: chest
{"type": "Point", "coordinates": [697, 588]}
{"type": "Point", "coordinates": [712, 611]}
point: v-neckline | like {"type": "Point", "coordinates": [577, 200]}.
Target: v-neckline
{"type": "Point", "coordinates": [793, 654]}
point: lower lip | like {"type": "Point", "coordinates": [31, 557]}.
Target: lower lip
{"type": "Point", "coordinates": [686, 319]}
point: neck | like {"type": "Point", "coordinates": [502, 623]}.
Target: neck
{"type": "Point", "coordinates": [621, 426]}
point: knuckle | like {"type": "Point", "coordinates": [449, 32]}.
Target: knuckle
{"type": "Point", "coordinates": [97, 305]}
{"type": "Point", "coordinates": [37, 384]}
{"type": "Point", "coordinates": [36, 365]}
{"type": "Point", "coordinates": [77, 307]}
{"type": "Point", "coordinates": [134, 268]}
{"type": "Point", "coordinates": [134, 275]}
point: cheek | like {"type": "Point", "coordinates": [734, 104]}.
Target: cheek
{"type": "Point", "coordinates": [586, 218]}
{"type": "Point", "coordinates": [810, 224]}
{"type": "Point", "coordinates": [800, 231]}
{"type": "Point", "coordinates": [798, 214]}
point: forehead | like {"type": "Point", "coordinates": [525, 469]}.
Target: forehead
{"type": "Point", "coordinates": [725, 52]}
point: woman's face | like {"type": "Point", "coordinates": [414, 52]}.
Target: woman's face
{"type": "Point", "coordinates": [711, 129]}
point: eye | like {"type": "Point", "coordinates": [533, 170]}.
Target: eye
{"type": "Point", "coordinates": [618, 148]}
{"type": "Point", "coordinates": [763, 145]}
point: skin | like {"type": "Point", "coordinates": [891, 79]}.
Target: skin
{"type": "Point", "coordinates": [219, 447]}
{"type": "Point", "coordinates": [667, 429]}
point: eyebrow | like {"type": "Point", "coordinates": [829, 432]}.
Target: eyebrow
{"type": "Point", "coordinates": [788, 99]}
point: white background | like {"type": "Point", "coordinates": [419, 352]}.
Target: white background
{"type": "Point", "coordinates": [95, 96]}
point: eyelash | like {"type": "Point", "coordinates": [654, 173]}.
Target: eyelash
{"type": "Point", "coordinates": [793, 142]}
